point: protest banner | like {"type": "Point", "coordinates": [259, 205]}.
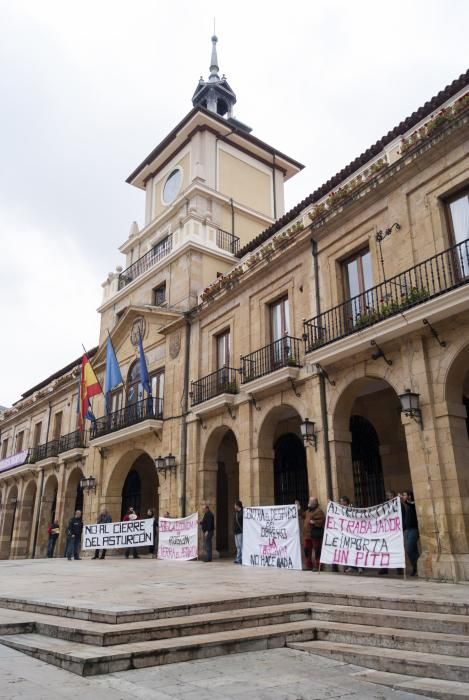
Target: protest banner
{"type": "Point", "coordinates": [129, 533]}
{"type": "Point", "coordinates": [271, 537]}
{"type": "Point", "coordinates": [178, 539]}
{"type": "Point", "coordinates": [371, 538]}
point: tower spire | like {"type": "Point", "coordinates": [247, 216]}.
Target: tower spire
{"type": "Point", "coordinates": [214, 60]}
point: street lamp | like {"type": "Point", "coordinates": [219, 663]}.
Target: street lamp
{"type": "Point", "coordinates": [410, 406]}
{"type": "Point", "coordinates": [88, 483]}
{"type": "Point", "coordinates": [162, 464]}
{"type": "Point", "coordinates": [308, 434]}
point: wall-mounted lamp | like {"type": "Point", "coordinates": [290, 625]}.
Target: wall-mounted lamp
{"type": "Point", "coordinates": [410, 406]}
{"type": "Point", "coordinates": [88, 483]}
{"type": "Point", "coordinates": [308, 434]}
{"type": "Point", "coordinates": [164, 464]}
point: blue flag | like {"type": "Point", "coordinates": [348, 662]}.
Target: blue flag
{"type": "Point", "coordinates": [113, 372]}
{"type": "Point", "coordinates": [144, 376]}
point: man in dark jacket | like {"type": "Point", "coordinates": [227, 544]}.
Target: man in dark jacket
{"type": "Point", "coordinates": [238, 531]}
{"type": "Point", "coordinates": [74, 530]}
{"type": "Point", "coordinates": [103, 517]}
{"type": "Point", "coordinates": [208, 528]}
{"type": "Point", "coordinates": [411, 529]}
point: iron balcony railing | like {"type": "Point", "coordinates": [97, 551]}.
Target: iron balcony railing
{"type": "Point", "coordinates": [223, 381]}
{"type": "Point", "coordinates": [72, 441]}
{"type": "Point", "coordinates": [227, 241]}
{"type": "Point", "coordinates": [149, 408]}
{"type": "Point", "coordinates": [157, 253]}
{"type": "Point", "coordinates": [44, 451]}
{"type": "Point", "coordinates": [281, 353]}
{"type": "Point", "coordinates": [426, 280]}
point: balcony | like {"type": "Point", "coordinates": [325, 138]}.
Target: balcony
{"type": "Point", "coordinates": [47, 451]}
{"type": "Point", "coordinates": [227, 241]}
{"type": "Point", "coordinates": [160, 251]}
{"type": "Point", "coordinates": [272, 366]}
{"type": "Point", "coordinates": [72, 445]}
{"type": "Point", "coordinates": [429, 280]}
{"type": "Point", "coordinates": [129, 422]}
{"type": "Point", "coordinates": [215, 390]}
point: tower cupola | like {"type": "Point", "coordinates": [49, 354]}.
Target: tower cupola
{"type": "Point", "coordinates": [215, 94]}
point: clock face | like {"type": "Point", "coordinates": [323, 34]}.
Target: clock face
{"type": "Point", "coordinates": [138, 328]}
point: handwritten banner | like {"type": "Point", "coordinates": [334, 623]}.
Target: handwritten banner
{"type": "Point", "coordinates": [371, 538]}
{"type": "Point", "coordinates": [178, 538]}
{"type": "Point", "coordinates": [130, 533]}
{"type": "Point", "coordinates": [13, 461]}
{"type": "Point", "coordinates": [271, 537]}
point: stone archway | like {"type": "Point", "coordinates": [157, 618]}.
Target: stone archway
{"type": "Point", "coordinates": [132, 482]}
{"type": "Point", "coordinates": [24, 521]}
{"type": "Point", "coordinates": [48, 512]}
{"type": "Point", "coordinates": [281, 458]}
{"type": "Point", "coordinates": [220, 484]}
{"type": "Point", "coordinates": [369, 450]}
{"type": "Point", "coordinates": [9, 521]}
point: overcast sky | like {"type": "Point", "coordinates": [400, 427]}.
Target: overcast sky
{"type": "Point", "coordinates": [88, 89]}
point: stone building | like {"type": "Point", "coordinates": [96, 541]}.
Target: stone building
{"type": "Point", "coordinates": [320, 351]}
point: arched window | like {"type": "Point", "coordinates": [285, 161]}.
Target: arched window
{"type": "Point", "coordinates": [134, 385]}
{"type": "Point", "coordinates": [290, 473]}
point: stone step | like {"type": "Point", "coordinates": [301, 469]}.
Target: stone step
{"type": "Point", "coordinates": [88, 610]}
{"type": "Point", "coordinates": [87, 660]}
{"type": "Point", "coordinates": [113, 615]}
{"type": "Point", "coordinates": [429, 687]}
{"type": "Point", "coordinates": [111, 635]}
{"type": "Point", "coordinates": [401, 619]}
{"type": "Point", "coordinates": [415, 663]}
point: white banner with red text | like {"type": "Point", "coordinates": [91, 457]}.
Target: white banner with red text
{"type": "Point", "coordinates": [271, 537]}
{"type": "Point", "coordinates": [369, 538]}
{"type": "Point", "coordinates": [129, 533]}
{"type": "Point", "coordinates": [178, 538]}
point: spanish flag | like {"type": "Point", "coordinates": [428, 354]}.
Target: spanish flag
{"type": "Point", "coordinates": [89, 386]}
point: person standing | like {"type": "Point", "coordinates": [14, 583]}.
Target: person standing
{"type": "Point", "coordinates": [389, 495]}
{"type": "Point", "coordinates": [53, 532]}
{"type": "Point", "coordinates": [238, 531]}
{"type": "Point", "coordinates": [131, 515]}
{"type": "Point", "coordinates": [74, 530]}
{"type": "Point", "coordinates": [411, 529]}
{"type": "Point", "coordinates": [316, 518]}
{"type": "Point", "coordinates": [103, 517]}
{"type": "Point", "coordinates": [153, 548]}
{"type": "Point", "coordinates": [208, 528]}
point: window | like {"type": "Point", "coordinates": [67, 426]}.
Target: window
{"type": "Point", "coordinates": [358, 278]}
{"type": "Point", "coordinates": [37, 434]}
{"type": "Point", "coordinates": [115, 401]}
{"type": "Point", "coordinates": [157, 384]}
{"type": "Point", "coordinates": [19, 441]}
{"type": "Point", "coordinates": [458, 211]}
{"type": "Point", "coordinates": [279, 319]}
{"type": "Point", "coordinates": [4, 448]}
{"type": "Point", "coordinates": [162, 248]}
{"type": "Point", "coordinates": [458, 208]}
{"type": "Point", "coordinates": [134, 385]}
{"type": "Point", "coordinates": [172, 186]}
{"type": "Point", "coordinates": [57, 425]}
{"type": "Point", "coordinates": [159, 295]}
{"type": "Point", "coordinates": [223, 349]}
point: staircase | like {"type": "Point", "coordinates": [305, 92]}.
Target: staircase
{"type": "Point", "coordinates": [401, 639]}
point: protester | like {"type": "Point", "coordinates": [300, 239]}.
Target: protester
{"type": "Point", "coordinates": [103, 517]}
{"type": "Point", "coordinates": [153, 548]}
{"type": "Point", "coordinates": [389, 495]}
{"type": "Point", "coordinates": [238, 531]}
{"type": "Point", "coordinates": [316, 519]}
{"type": "Point", "coordinates": [166, 514]}
{"type": "Point", "coordinates": [131, 515]}
{"type": "Point", "coordinates": [411, 529]}
{"type": "Point", "coordinates": [53, 532]}
{"type": "Point", "coordinates": [208, 528]}
{"type": "Point", "coordinates": [74, 530]}
{"type": "Point", "coordinates": [307, 541]}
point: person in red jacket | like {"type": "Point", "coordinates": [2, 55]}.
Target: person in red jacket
{"type": "Point", "coordinates": [131, 515]}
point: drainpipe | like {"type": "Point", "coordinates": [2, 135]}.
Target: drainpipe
{"type": "Point", "coordinates": [232, 217]}
{"type": "Point", "coordinates": [41, 491]}
{"type": "Point", "coordinates": [322, 380]}
{"type": "Point", "coordinates": [273, 186]}
{"type": "Point", "coordinates": [185, 407]}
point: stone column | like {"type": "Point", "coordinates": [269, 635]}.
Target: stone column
{"type": "Point", "coordinates": [342, 468]}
